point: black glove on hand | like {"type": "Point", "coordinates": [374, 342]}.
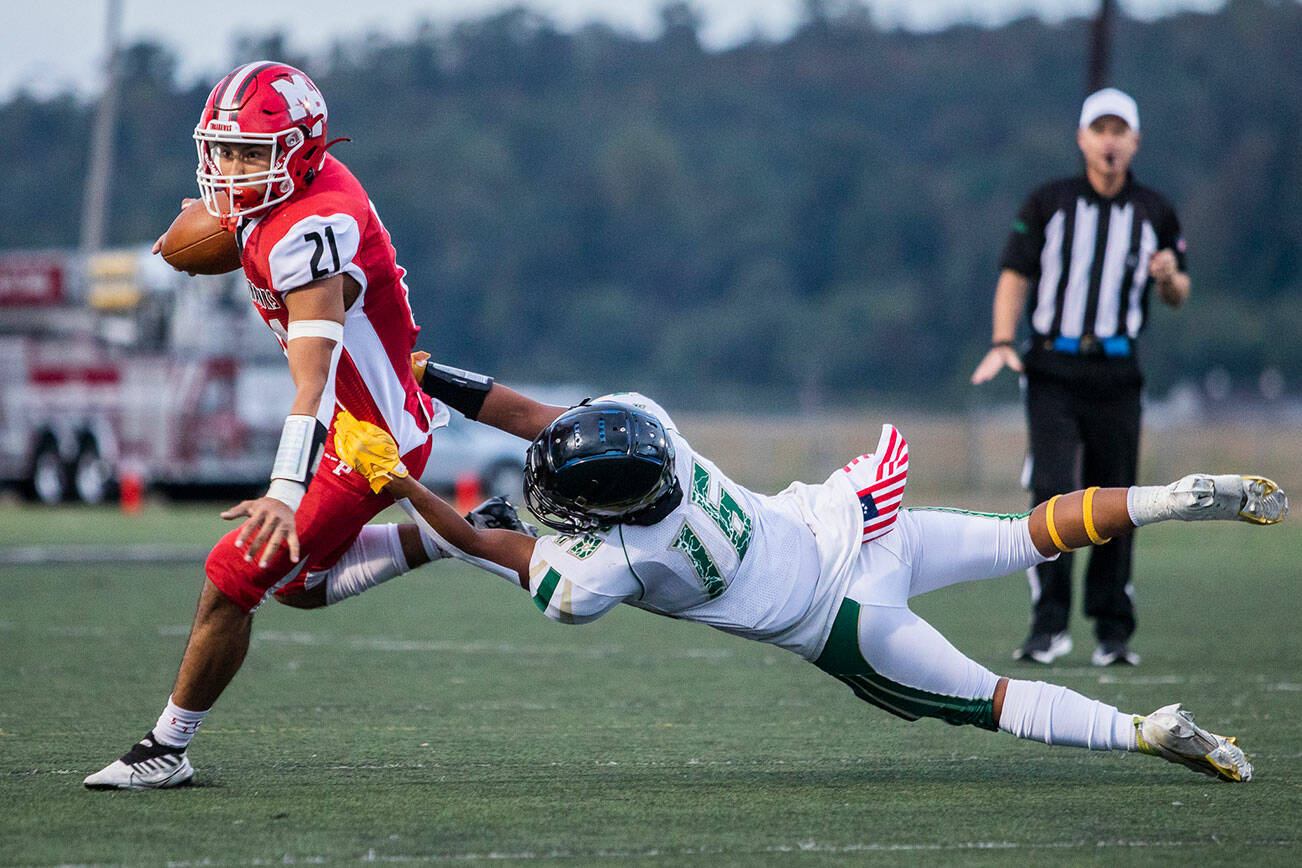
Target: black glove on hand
{"type": "Point", "coordinates": [497, 512]}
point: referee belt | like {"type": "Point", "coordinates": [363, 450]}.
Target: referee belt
{"type": "Point", "coordinates": [1117, 346]}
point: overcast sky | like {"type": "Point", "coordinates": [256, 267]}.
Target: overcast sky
{"type": "Point", "coordinates": [49, 45]}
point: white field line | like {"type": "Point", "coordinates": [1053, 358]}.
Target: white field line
{"type": "Point", "coordinates": [1112, 678]}
{"type": "Point", "coordinates": [443, 646]}
{"type": "Point", "coordinates": [392, 644]}
{"type": "Point", "coordinates": [371, 856]}
{"type": "Point", "coordinates": [101, 554]}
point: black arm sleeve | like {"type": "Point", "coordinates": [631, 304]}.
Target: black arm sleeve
{"type": "Point", "coordinates": [463, 391]}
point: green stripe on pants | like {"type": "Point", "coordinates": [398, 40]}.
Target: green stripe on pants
{"type": "Point", "coordinates": [842, 659]}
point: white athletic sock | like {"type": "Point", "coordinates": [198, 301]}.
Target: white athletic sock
{"type": "Point", "coordinates": [1148, 504]}
{"type": "Point", "coordinates": [374, 557]}
{"type": "Point", "coordinates": [1057, 715]}
{"type": "Point", "coordinates": [176, 725]}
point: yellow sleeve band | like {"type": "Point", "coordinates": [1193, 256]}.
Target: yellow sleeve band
{"type": "Point", "coordinates": [1090, 530]}
{"type": "Point", "coordinates": [1053, 531]}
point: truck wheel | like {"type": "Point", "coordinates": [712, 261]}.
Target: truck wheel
{"type": "Point", "coordinates": [91, 474]}
{"type": "Point", "coordinates": [49, 482]}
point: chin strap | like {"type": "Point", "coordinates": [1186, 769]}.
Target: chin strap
{"type": "Point", "coordinates": [656, 512]}
{"type": "Point", "coordinates": [310, 174]}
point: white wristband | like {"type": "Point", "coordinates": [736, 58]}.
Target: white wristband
{"type": "Point", "coordinates": [294, 454]}
{"type": "Point", "coordinates": [316, 328]}
{"type": "Point", "coordinates": [287, 492]}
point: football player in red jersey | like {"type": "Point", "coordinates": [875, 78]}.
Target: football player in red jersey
{"type": "Point", "coordinates": [322, 274]}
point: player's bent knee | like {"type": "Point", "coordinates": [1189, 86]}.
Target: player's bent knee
{"type": "Point", "coordinates": [844, 660]}
{"type": "Point", "coordinates": [311, 598]}
{"type": "Point", "coordinates": [243, 582]}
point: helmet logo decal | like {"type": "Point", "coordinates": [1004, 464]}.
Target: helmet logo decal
{"type": "Point", "coordinates": [302, 100]}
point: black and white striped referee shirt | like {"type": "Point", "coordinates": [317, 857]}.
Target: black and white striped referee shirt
{"type": "Point", "coordinates": [1087, 260]}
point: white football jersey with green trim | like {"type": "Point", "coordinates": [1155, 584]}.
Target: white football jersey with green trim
{"type": "Point", "coordinates": [770, 568]}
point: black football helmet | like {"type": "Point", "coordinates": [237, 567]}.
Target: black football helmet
{"type": "Point", "coordinates": [601, 464]}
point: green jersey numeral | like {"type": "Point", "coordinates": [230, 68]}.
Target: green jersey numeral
{"type": "Point", "coordinates": [581, 547]}
{"type": "Point", "coordinates": [730, 518]}
{"type": "Point", "coordinates": [698, 556]}
{"type": "Point", "coordinates": [727, 514]}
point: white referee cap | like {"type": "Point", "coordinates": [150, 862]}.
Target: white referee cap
{"type": "Point", "coordinates": [1109, 101]}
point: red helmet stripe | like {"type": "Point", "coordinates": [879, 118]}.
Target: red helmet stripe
{"type": "Point", "coordinates": [229, 101]}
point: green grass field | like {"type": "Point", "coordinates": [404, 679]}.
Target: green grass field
{"type": "Point", "coordinates": [442, 718]}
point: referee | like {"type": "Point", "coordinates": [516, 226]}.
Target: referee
{"type": "Point", "coordinates": [1083, 254]}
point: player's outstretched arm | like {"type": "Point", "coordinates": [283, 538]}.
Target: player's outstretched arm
{"type": "Point", "coordinates": [481, 399]}
{"type": "Point", "coordinates": [517, 414]}
{"type": "Point", "coordinates": [372, 452]}
{"type": "Point", "coordinates": [506, 548]}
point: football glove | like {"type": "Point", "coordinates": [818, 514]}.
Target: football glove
{"type": "Point", "coordinates": [498, 512]}
{"type": "Point", "coordinates": [418, 360]}
{"type": "Point", "coordinates": [369, 449]}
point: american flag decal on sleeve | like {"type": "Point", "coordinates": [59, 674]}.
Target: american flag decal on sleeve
{"type": "Point", "coordinates": [879, 479]}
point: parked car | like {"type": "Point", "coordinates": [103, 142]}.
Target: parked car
{"type": "Point", "coordinates": [466, 450]}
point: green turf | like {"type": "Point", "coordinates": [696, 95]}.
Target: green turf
{"type": "Point", "coordinates": [442, 718]}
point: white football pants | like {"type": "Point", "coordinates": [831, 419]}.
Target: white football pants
{"type": "Point", "coordinates": [894, 659]}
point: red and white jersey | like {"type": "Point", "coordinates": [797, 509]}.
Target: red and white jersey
{"type": "Point", "coordinates": [331, 228]}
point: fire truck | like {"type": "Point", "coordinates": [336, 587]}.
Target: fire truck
{"type": "Point", "coordinates": [116, 367]}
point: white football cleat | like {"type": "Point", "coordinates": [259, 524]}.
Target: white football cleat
{"type": "Point", "coordinates": [1202, 497]}
{"type": "Point", "coordinates": [1170, 732]}
{"type": "Point", "coordinates": [147, 766]}
{"type": "Point", "coordinates": [1044, 647]}
{"type": "Point", "coordinates": [1114, 653]}
{"type": "Point", "coordinates": [1264, 502]}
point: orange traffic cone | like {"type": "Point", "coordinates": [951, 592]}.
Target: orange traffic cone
{"type": "Point", "coordinates": [466, 492]}
{"type": "Point", "coordinates": [131, 491]}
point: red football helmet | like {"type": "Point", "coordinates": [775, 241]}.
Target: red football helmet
{"type": "Point", "coordinates": [261, 103]}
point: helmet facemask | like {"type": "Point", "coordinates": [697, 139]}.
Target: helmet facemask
{"type": "Point", "coordinates": [241, 192]}
{"type": "Point", "coordinates": [551, 511]}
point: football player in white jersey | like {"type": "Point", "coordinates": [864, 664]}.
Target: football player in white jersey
{"type": "Point", "coordinates": [825, 571]}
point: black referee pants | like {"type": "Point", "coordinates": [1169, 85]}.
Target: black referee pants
{"type": "Point", "coordinates": [1082, 436]}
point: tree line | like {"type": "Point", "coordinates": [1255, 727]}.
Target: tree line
{"type": "Point", "coordinates": [814, 221]}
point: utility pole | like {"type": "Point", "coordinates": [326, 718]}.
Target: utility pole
{"type": "Point", "coordinates": [1101, 47]}
{"type": "Point", "coordinates": [94, 204]}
